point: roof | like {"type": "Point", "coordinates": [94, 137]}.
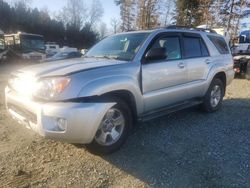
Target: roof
{"type": "Point", "coordinates": [176, 29]}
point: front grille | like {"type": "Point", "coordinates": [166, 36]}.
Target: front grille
{"type": "Point", "coordinates": [29, 116]}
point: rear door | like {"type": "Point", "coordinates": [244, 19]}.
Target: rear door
{"type": "Point", "coordinates": [197, 58]}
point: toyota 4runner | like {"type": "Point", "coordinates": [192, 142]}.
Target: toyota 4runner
{"type": "Point", "coordinates": [95, 100]}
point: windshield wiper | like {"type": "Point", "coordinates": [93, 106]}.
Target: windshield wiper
{"type": "Point", "coordinates": [104, 56]}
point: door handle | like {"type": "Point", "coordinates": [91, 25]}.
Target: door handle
{"type": "Point", "coordinates": [208, 61]}
{"type": "Point", "coordinates": [181, 65]}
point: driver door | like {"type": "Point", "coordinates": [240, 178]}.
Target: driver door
{"type": "Point", "coordinates": [163, 80]}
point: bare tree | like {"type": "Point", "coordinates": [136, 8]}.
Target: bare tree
{"type": "Point", "coordinates": [115, 24]}
{"type": "Point", "coordinates": [74, 14]}
{"type": "Point", "coordinates": [148, 14]}
{"type": "Point", "coordinates": [215, 13]}
{"type": "Point", "coordinates": [95, 13]}
{"type": "Point", "coordinates": [128, 14]}
{"type": "Point", "coordinates": [231, 12]}
{"type": "Point", "coordinates": [23, 3]}
{"type": "Point", "coordinates": [167, 13]}
{"type": "Point", "coordinates": [103, 30]}
{"type": "Point", "coordinates": [205, 16]}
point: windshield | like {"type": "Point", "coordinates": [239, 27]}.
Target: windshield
{"type": "Point", "coordinates": [32, 43]}
{"type": "Point", "coordinates": [122, 47]}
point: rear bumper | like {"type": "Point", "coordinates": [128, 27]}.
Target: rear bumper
{"type": "Point", "coordinates": [80, 120]}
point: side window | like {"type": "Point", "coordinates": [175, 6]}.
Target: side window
{"type": "Point", "coordinates": [171, 45]}
{"type": "Point", "coordinates": [204, 50]}
{"type": "Point", "coordinates": [220, 44]}
{"type": "Point", "coordinates": [192, 47]}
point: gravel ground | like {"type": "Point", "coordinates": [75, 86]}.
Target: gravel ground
{"type": "Point", "coordinates": [184, 149]}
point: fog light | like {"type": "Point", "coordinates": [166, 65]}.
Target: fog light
{"type": "Point", "coordinates": [61, 124]}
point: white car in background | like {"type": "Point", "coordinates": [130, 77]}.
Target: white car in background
{"type": "Point", "coordinates": [64, 53]}
{"type": "Point", "coordinates": [51, 48]}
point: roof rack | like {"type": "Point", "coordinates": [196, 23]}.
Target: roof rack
{"type": "Point", "coordinates": [191, 28]}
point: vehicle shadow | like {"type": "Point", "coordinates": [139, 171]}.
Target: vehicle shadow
{"type": "Point", "coordinates": [191, 148]}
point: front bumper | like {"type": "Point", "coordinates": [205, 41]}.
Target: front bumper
{"type": "Point", "coordinates": [81, 119]}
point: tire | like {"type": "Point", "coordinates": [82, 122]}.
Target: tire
{"type": "Point", "coordinates": [105, 129]}
{"type": "Point", "coordinates": [213, 100]}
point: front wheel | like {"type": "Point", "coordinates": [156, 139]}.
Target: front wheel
{"type": "Point", "coordinates": [113, 129]}
{"type": "Point", "coordinates": [214, 96]}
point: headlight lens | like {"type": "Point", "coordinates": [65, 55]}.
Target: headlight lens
{"type": "Point", "coordinates": [50, 88]}
{"type": "Point", "coordinates": [24, 84]}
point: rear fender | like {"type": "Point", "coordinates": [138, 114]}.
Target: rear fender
{"type": "Point", "coordinates": [215, 69]}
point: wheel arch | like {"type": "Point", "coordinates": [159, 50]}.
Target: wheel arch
{"type": "Point", "coordinates": [126, 96]}
{"type": "Point", "coordinates": [222, 76]}
{"type": "Point", "coordinates": [124, 87]}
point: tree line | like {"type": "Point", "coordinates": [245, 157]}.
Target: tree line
{"type": "Point", "coordinates": [149, 14]}
{"type": "Point", "coordinates": [77, 24]}
{"type": "Point", "coordinates": [74, 25]}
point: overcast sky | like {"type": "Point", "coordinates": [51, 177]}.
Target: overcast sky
{"type": "Point", "coordinates": [110, 9]}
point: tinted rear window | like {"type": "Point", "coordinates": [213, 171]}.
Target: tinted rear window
{"type": "Point", "coordinates": [194, 47]}
{"type": "Point", "coordinates": [220, 44]}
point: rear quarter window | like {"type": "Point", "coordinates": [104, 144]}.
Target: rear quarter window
{"type": "Point", "coordinates": [219, 43]}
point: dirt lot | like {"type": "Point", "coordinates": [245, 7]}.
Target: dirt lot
{"type": "Point", "coordinates": [184, 149]}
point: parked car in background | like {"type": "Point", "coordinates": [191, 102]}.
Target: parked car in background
{"type": "Point", "coordinates": [51, 48]}
{"type": "Point", "coordinates": [241, 53]}
{"type": "Point", "coordinates": [126, 77]}
{"type": "Point", "coordinates": [64, 53]}
{"type": "Point", "coordinates": [25, 46]}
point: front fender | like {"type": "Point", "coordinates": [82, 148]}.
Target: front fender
{"type": "Point", "coordinates": [101, 86]}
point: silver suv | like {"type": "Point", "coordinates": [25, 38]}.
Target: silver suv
{"type": "Point", "coordinates": [126, 77]}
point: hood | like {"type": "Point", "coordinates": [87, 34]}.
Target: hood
{"type": "Point", "coordinates": [64, 67]}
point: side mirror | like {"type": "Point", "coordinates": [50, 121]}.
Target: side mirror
{"type": "Point", "coordinates": [156, 54]}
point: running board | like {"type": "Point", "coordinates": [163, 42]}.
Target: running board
{"type": "Point", "coordinates": [164, 111]}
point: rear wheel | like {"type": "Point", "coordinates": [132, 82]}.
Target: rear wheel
{"type": "Point", "coordinates": [214, 96]}
{"type": "Point", "coordinates": [113, 129]}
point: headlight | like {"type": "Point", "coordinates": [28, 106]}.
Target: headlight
{"type": "Point", "coordinates": [24, 84]}
{"type": "Point", "coordinates": [50, 88]}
